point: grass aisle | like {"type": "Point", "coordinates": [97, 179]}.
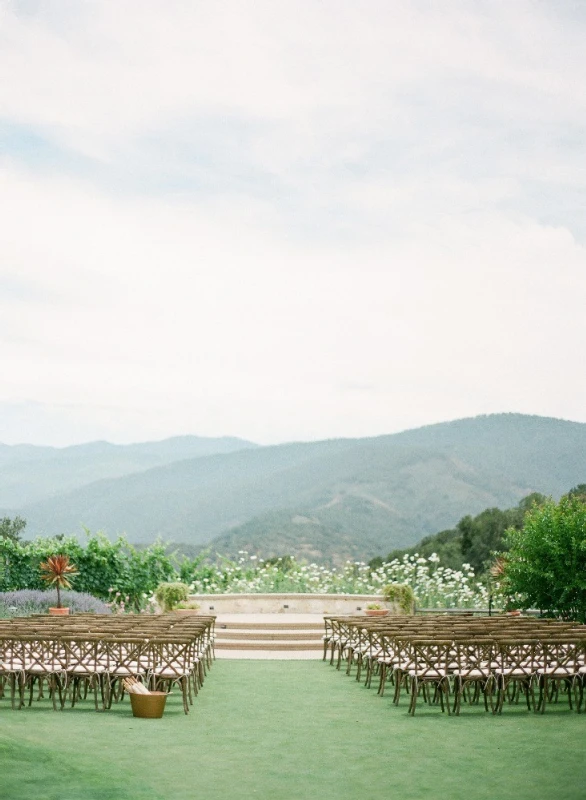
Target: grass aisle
{"type": "Point", "coordinates": [289, 730]}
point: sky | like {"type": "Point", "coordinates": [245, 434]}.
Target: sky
{"type": "Point", "coordinates": [289, 220]}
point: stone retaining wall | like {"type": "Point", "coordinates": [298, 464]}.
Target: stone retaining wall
{"type": "Point", "coordinates": [288, 603]}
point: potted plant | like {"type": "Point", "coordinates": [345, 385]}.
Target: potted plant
{"type": "Point", "coordinates": [170, 595]}
{"type": "Point", "coordinates": [57, 571]}
{"type": "Point", "coordinates": [402, 594]}
{"type": "Point", "coordinates": [498, 571]}
{"type": "Point", "coordinates": [376, 610]}
{"type": "Point", "coordinates": [186, 608]}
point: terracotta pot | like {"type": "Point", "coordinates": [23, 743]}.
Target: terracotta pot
{"type": "Point", "coordinates": [514, 613]}
{"type": "Point", "coordinates": [376, 612]}
{"type": "Point", "coordinates": [58, 612]}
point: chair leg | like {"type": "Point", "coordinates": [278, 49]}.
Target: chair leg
{"type": "Point", "coordinates": [447, 693]}
{"type": "Point", "coordinates": [439, 691]}
{"type": "Point", "coordinates": [414, 693]}
{"type": "Point", "coordinates": [382, 679]}
{"type": "Point", "coordinates": [368, 679]}
{"type": "Point", "coordinates": [500, 695]}
{"type": "Point", "coordinates": [398, 686]}
{"type": "Point", "coordinates": [349, 657]}
{"type": "Point", "coordinates": [458, 690]}
{"type": "Point", "coordinates": [74, 691]}
{"type": "Point", "coordinates": [183, 682]}
{"type": "Point", "coordinates": [21, 688]}
{"type": "Point", "coordinates": [577, 690]}
{"type": "Point", "coordinates": [543, 689]}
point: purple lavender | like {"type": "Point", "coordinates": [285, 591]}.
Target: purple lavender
{"type": "Point", "coordinates": [33, 601]}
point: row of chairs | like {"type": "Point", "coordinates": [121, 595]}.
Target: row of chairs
{"type": "Point", "coordinates": [448, 660]}
{"type": "Point", "coordinates": [77, 656]}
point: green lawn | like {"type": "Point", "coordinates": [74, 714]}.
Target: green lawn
{"type": "Point", "coordinates": [283, 730]}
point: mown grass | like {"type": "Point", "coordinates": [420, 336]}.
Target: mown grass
{"type": "Point", "coordinates": [286, 731]}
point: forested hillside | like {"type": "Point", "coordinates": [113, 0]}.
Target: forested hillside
{"type": "Point", "coordinates": [29, 474]}
{"type": "Point", "coordinates": [331, 500]}
{"type": "Point", "coordinates": [475, 540]}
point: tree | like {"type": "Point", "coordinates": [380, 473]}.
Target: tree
{"type": "Point", "coordinates": [12, 528]}
{"type": "Point", "coordinates": [578, 491]}
{"type": "Point", "coordinates": [474, 540]}
{"type": "Point", "coordinates": [546, 562]}
{"type": "Point", "coordinates": [57, 571]}
{"type": "Point", "coordinates": [533, 499]}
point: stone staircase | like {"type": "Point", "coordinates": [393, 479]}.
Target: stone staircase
{"type": "Point", "coordinates": [264, 636]}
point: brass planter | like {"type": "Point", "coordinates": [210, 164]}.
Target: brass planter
{"type": "Point", "coordinates": [148, 706]}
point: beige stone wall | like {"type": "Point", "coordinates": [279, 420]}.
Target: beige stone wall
{"type": "Point", "coordinates": [288, 603]}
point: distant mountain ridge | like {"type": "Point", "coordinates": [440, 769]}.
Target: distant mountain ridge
{"type": "Point", "coordinates": [328, 500]}
{"type": "Point", "coordinates": [30, 473]}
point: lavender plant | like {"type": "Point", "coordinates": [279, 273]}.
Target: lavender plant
{"type": "Point", "coordinates": [24, 602]}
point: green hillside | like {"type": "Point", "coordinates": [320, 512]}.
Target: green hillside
{"type": "Point", "coordinates": [29, 474]}
{"type": "Point", "coordinates": [354, 498]}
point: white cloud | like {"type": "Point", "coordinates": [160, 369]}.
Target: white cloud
{"type": "Point", "coordinates": [288, 220]}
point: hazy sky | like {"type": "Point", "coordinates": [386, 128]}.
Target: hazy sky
{"type": "Point", "coordinates": [289, 220]}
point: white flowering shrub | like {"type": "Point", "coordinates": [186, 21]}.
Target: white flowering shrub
{"type": "Point", "coordinates": [434, 586]}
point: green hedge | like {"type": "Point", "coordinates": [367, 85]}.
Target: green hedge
{"type": "Point", "coordinates": [105, 567]}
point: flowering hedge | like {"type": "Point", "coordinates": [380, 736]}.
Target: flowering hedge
{"type": "Point", "coordinates": [434, 586]}
{"type": "Point", "coordinates": [127, 577]}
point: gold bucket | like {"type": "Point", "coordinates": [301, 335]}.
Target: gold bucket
{"type": "Point", "coordinates": [148, 706]}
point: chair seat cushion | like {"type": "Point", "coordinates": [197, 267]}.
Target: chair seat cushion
{"type": "Point", "coordinates": [126, 670]}
{"type": "Point", "coordinates": [514, 672]}
{"type": "Point", "coordinates": [168, 672]}
{"type": "Point", "coordinates": [40, 669]}
{"type": "Point", "coordinates": [432, 674]}
{"type": "Point", "coordinates": [471, 673]}
{"type": "Point", "coordinates": [89, 669]}
{"type": "Point", "coordinates": [556, 671]}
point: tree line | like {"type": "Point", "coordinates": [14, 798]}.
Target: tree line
{"type": "Point", "coordinates": [475, 540]}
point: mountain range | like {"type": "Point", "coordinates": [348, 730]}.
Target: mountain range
{"type": "Point", "coordinates": [326, 500]}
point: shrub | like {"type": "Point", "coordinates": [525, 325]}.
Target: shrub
{"type": "Point", "coordinates": [545, 567]}
{"type": "Point", "coordinates": [24, 602]}
{"type": "Point", "coordinates": [191, 606]}
{"type": "Point", "coordinates": [402, 594]}
{"type": "Point", "coordinates": [169, 595]}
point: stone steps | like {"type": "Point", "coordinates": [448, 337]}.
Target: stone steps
{"type": "Point", "coordinates": [277, 626]}
{"type": "Point", "coordinates": [264, 636]}
{"type": "Point", "coordinates": [273, 636]}
{"type": "Point", "coordinates": [258, 644]}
